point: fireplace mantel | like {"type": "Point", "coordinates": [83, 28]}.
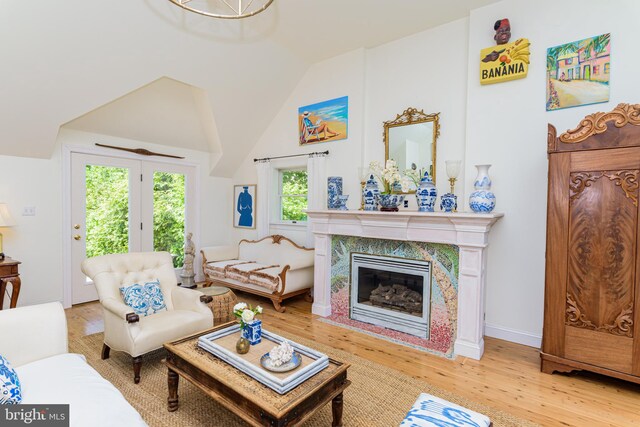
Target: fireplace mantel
{"type": "Point", "coordinates": [469, 231]}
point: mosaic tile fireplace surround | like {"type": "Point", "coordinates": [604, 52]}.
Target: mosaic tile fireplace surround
{"type": "Point", "coordinates": [453, 245]}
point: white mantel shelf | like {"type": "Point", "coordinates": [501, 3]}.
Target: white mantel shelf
{"type": "Point", "coordinates": [468, 230]}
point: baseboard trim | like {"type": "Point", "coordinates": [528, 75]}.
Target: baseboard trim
{"type": "Point", "coordinates": [513, 335]}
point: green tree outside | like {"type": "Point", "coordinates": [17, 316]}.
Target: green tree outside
{"type": "Point", "coordinates": [107, 212]}
{"type": "Point", "coordinates": [294, 195]}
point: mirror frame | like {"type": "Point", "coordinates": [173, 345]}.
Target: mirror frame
{"type": "Point", "coordinates": [412, 116]}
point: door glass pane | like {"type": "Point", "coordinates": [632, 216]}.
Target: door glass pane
{"type": "Point", "coordinates": [169, 214]}
{"type": "Point", "coordinates": [107, 210]}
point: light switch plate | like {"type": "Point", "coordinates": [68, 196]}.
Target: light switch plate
{"type": "Point", "coordinates": [29, 211]}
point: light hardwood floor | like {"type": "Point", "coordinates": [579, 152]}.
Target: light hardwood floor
{"type": "Point", "coordinates": [507, 378]}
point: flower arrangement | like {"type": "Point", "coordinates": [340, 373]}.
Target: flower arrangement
{"type": "Point", "coordinates": [245, 313]}
{"type": "Point", "coordinates": [390, 177]}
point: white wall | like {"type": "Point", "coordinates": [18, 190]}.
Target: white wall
{"type": "Point", "coordinates": [333, 78]}
{"type": "Point", "coordinates": [37, 240]}
{"type": "Point", "coordinates": [502, 124]}
{"type": "Point", "coordinates": [507, 127]}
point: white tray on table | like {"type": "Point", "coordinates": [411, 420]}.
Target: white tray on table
{"type": "Point", "coordinates": [281, 383]}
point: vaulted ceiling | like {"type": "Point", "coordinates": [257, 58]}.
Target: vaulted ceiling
{"type": "Point", "coordinates": [147, 70]}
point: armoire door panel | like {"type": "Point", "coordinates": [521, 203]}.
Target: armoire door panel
{"type": "Point", "coordinates": [620, 158]}
{"type": "Point", "coordinates": [599, 349]}
{"type": "Point", "coordinates": [602, 251]}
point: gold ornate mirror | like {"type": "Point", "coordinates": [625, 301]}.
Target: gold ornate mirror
{"type": "Point", "coordinates": [410, 140]}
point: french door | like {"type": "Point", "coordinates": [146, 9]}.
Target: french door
{"type": "Point", "coordinates": [121, 205]}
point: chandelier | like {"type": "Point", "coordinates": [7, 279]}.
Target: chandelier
{"type": "Point", "coordinates": [224, 9]}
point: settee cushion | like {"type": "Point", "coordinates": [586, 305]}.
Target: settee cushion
{"type": "Point", "coordinates": [267, 277]}
{"type": "Point", "coordinates": [144, 299]}
{"type": "Point", "coordinates": [68, 379]}
{"type": "Point", "coordinates": [219, 268]}
{"type": "Point", "coordinates": [10, 390]}
{"type": "Point", "coordinates": [242, 272]}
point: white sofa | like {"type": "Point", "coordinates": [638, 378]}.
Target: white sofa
{"type": "Point", "coordinates": [34, 340]}
{"type": "Point", "coordinates": [273, 267]}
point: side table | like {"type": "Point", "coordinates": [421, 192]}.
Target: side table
{"type": "Point", "coordinates": [9, 274]}
{"type": "Point", "coordinates": [221, 305]}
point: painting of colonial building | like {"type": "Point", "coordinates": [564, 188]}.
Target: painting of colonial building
{"type": "Point", "coordinates": [578, 73]}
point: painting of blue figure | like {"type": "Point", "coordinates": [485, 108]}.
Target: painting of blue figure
{"type": "Point", "coordinates": [244, 206]}
{"type": "Point", "coordinates": [324, 121]}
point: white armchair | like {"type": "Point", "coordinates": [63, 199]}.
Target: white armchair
{"type": "Point", "coordinates": [136, 335]}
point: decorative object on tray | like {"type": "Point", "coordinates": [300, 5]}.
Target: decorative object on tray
{"type": "Point", "coordinates": [334, 190]}
{"type": "Point", "coordinates": [449, 201]}
{"type": "Point", "coordinates": [370, 194]}
{"type": "Point", "coordinates": [426, 194]}
{"type": "Point", "coordinates": [243, 346]}
{"type": "Point", "coordinates": [390, 177]}
{"type": "Point", "coordinates": [292, 364]}
{"type": "Point", "coordinates": [342, 202]}
{"type": "Point", "coordinates": [281, 358]}
{"type": "Point", "coordinates": [482, 200]}
{"type": "Point", "coordinates": [251, 327]}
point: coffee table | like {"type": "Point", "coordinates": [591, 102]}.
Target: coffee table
{"type": "Point", "coordinates": [247, 398]}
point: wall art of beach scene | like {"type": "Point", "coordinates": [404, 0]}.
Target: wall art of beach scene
{"type": "Point", "coordinates": [324, 121]}
{"type": "Point", "coordinates": [578, 73]}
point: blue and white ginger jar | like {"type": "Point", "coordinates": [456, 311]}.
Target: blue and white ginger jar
{"type": "Point", "coordinates": [448, 202]}
{"type": "Point", "coordinates": [482, 200]}
{"type": "Point", "coordinates": [426, 194]}
{"type": "Point", "coordinates": [370, 194]}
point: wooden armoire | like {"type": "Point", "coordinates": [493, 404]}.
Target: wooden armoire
{"type": "Point", "coordinates": [592, 282]}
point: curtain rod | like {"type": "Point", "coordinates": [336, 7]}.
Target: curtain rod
{"type": "Point", "coordinates": [265, 159]}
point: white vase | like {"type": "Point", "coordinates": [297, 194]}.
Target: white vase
{"type": "Point", "coordinates": [482, 200]}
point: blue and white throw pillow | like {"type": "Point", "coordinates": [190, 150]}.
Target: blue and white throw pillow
{"type": "Point", "coordinates": [10, 389]}
{"type": "Point", "coordinates": [431, 411]}
{"type": "Point", "coordinates": [144, 299]}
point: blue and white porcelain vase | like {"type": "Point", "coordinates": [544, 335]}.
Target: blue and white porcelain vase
{"type": "Point", "coordinates": [252, 331]}
{"type": "Point", "coordinates": [482, 200]}
{"type": "Point", "coordinates": [390, 202]}
{"type": "Point", "coordinates": [334, 189]}
{"type": "Point", "coordinates": [426, 194]}
{"type": "Point", "coordinates": [370, 194]}
{"type": "Point", "coordinates": [448, 202]}
{"type": "Point", "coordinates": [342, 202]}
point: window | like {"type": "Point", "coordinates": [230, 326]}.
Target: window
{"type": "Point", "coordinates": [606, 68]}
{"type": "Point", "coordinates": [596, 69]}
{"type": "Point", "coordinates": [293, 190]}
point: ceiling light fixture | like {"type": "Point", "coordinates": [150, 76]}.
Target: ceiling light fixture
{"type": "Point", "coordinates": [223, 9]}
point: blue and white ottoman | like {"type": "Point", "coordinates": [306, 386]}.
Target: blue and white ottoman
{"type": "Point", "coordinates": [431, 411]}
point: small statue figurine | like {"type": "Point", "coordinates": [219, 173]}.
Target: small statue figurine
{"type": "Point", "coordinates": [188, 274]}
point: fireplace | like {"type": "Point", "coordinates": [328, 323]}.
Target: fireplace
{"type": "Point", "coordinates": [391, 292]}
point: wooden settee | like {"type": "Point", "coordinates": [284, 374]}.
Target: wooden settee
{"type": "Point", "coordinates": [273, 267]}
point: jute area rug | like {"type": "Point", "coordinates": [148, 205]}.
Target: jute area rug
{"type": "Point", "coordinates": [378, 396]}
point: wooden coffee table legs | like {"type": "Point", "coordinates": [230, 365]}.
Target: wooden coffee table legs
{"type": "Point", "coordinates": [172, 380]}
{"type": "Point", "coordinates": [336, 409]}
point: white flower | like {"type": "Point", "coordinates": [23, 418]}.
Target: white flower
{"type": "Point", "coordinates": [239, 306]}
{"type": "Point", "coordinates": [259, 309]}
{"type": "Point", "coordinates": [247, 316]}
{"type": "Point", "coordinates": [406, 183]}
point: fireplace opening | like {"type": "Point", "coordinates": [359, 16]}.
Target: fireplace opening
{"type": "Point", "coordinates": [391, 292]}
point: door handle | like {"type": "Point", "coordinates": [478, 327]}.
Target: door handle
{"type": "Point", "coordinates": [76, 226]}
{"type": "Point", "coordinates": [77, 237]}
